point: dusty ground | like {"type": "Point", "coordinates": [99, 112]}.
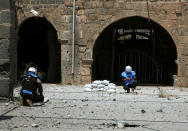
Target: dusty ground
{"type": "Point", "coordinates": [70, 108]}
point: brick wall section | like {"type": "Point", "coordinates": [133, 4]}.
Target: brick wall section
{"type": "Point", "coordinates": [93, 16]}
{"type": "Point", "coordinates": [4, 47]}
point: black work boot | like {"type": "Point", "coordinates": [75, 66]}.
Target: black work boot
{"type": "Point", "coordinates": [128, 90]}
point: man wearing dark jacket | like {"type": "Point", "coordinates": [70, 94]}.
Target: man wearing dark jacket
{"type": "Point", "coordinates": [32, 91]}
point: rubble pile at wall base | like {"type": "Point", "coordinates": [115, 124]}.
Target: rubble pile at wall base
{"type": "Point", "coordinates": [100, 85]}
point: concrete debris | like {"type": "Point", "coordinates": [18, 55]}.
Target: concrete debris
{"type": "Point", "coordinates": [64, 101]}
{"type": "Point", "coordinates": [98, 85]}
{"type": "Point", "coordinates": [121, 124]}
{"type": "Point", "coordinates": [9, 103]}
{"type": "Point", "coordinates": [34, 125]}
{"type": "Point", "coordinates": [83, 100]}
{"type": "Point", "coordinates": [143, 111]}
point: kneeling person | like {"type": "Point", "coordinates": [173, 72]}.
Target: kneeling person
{"type": "Point", "coordinates": [32, 91]}
{"type": "Point", "coordinates": [129, 78]}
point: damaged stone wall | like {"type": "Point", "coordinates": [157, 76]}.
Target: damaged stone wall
{"type": "Point", "coordinates": [7, 33]}
{"type": "Point", "coordinates": [93, 16]}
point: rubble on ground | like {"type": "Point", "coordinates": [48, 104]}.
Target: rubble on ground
{"type": "Point", "coordinates": [100, 85]}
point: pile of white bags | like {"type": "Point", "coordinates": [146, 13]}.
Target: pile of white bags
{"type": "Point", "coordinates": [99, 85]}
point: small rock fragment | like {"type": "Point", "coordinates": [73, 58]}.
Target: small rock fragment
{"type": "Point", "coordinates": [143, 111]}
{"type": "Point", "coordinates": [34, 125]}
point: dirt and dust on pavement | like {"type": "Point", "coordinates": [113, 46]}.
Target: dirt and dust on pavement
{"type": "Point", "coordinates": [72, 108]}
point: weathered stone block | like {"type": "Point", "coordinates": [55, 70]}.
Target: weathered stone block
{"type": "Point", "coordinates": [97, 4]}
{"type": "Point", "coordinates": [4, 87]}
{"type": "Point", "coordinates": [43, 1]}
{"type": "Point", "coordinates": [83, 19]}
{"type": "Point", "coordinates": [4, 49]}
{"type": "Point", "coordinates": [82, 49]}
{"type": "Point", "coordinates": [182, 31]}
{"type": "Point", "coordinates": [67, 18]}
{"type": "Point", "coordinates": [129, 5]}
{"type": "Point", "coordinates": [87, 62]}
{"type": "Point", "coordinates": [102, 11]}
{"type": "Point", "coordinates": [180, 82]}
{"type": "Point", "coordinates": [88, 5]}
{"type": "Point", "coordinates": [80, 5]}
{"type": "Point", "coordinates": [66, 80]}
{"type": "Point", "coordinates": [34, 1]}
{"type": "Point", "coordinates": [24, 1]}
{"type": "Point", "coordinates": [82, 42]}
{"type": "Point", "coordinates": [68, 3]}
{"type": "Point", "coordinates": [4, 61]}
{"type": "Point", "coordinates": [186, 69]}
{"type": "Point", "coordinates": [85, 71]}
{"type": "Point", "coordinates": [4, 4]}
{"type": "Point", "coordinates": [85, 79]}
{"type": "Point", "coordinates": [80, 12]}
{"type": "Point", "coordinates": [183, 39]}
{"type": "Point", "coordinates": [93, 17]}
{"type": "Point", "coordinates": [51, 1]}
{"type": "Point", "coordinates": [5, 17]}
{"type": "Point", "coordinates": [4, 31]}
{"type": "Point", "coordinates": [108, 4]}
{"type": "Point", "coordinates": [185, 51]}
{"type": "Point", "coordinates": [4, 68]}
{"type": "Point", "coordinates": [119, 5]}
{"type": "Point", "coordinates": [67, 34]}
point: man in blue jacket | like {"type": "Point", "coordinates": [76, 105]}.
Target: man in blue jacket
{"type": "Point", "coordinates": [32, 91]}
{"type": "Point", "coordinates": [129, 78]}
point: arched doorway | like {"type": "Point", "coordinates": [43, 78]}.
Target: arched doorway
{"type": "Point", "coordinates": [140, 43]}
{"type": "Point", "coordinates": [38, 46]}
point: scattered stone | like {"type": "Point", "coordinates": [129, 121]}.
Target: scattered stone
{"type": "Point", "coordinates": [143, 111]}
{"type": "Point", "coordinates": [83, 100]}
{"type": "Point", "coordinates": [64, 101]}
{"type": "Point", "coordinates": [160, 110]}
{"type": "Point", "coordinates": [57, 123]}
{"type": "Point", "coordinates": [98, 85]}
{"type": "Point", "coordinates": [34, 125]}
{"type": "Point", "coordinates": [114, 99]}
{"type": "Point", "coordinates": [121, 124]}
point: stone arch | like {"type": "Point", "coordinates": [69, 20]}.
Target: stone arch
{"type": "Point", "coordinates": [38, 46]}
{"type": "Point", "coordinates": [154, 25]}
{"type": "Point", "coordinates": [117, 18]}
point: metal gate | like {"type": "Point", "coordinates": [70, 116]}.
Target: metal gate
{"type": "Point", "coordinates": [147, 69]}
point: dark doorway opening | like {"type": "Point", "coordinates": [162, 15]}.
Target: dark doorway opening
{"type": "Point", "coordinates": [140, 43]}
{"type": "Point", "coordinates": [38, 46]}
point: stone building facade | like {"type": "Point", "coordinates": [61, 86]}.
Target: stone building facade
{"type": "Point", "coordinates": [93, 18]}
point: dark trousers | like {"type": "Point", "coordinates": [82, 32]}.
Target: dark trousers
{"type": "Point", "coordinates": [127, 87]}
{"type": "Point", "coordinates": [34, 98]}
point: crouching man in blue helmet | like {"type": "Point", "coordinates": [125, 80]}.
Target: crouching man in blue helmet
{"type": "Point", "coordinates": [129, 78]}
{"type": "Point", "coordinates": [32, 91]}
